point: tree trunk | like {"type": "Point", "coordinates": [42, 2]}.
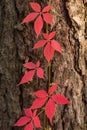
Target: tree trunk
{"type": "Point", "coordinates": [68, 69]}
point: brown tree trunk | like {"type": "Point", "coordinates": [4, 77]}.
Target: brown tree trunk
{"type": "Point", "coordinates": [68, 69]}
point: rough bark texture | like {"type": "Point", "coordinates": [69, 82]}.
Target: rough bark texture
{"type": "Point", "coordinates": [68, 69]}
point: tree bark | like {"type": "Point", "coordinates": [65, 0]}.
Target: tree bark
{"type": "Point", "coordinates": [68, 69]}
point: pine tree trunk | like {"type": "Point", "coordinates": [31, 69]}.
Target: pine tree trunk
{"type": "Point", "coordinates": [68, 69]}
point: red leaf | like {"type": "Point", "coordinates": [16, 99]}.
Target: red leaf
{"type": "Point", "coordinates": [28, 112]}
{"type": "Point", "coordinates": [38, 25]}
{"type": "Point", "coordinates": [34, 113]}
{"type": "Point", "coordinates": [29, 126]}
{"type": "Point", "coordinates": [41, 94]}
{"type": "Point", "coordinates": [30, 17]}
{"type": "Point", "coordinates": [37, 122]}
{"type": "Point", "coordinates": [48, 52]}
{"type": "Point", "coordinates": [53, 88]}
{"type": "Point", "coordinates": [48, 18]}
{"type": "Point", "coordinates": [46, 36]}
{"type": "Point", "coordinates": [52, 34]}
{"type": "Point", "coordinates": [50, 109]}
{"type": "Point", "coordinates": [38, 63]}
{"type": "Point", "coordinates": [47, 8]}
{"type": "Point", "coordinates": [35, 6]}
{"type": "Point", "coordinates": [39, 44]}
{"type": "Point", "coordinates": [38, 103]}
{"type": "Point", "coordinates": [22, 121]}
{"type": "Point", "coordinates": [56, 46]}
{"type": "Point", "coordinates": [40, 72]}
{"type": "Point", "coordinates": [29, 65]}
{"type": "Point", "coordinates": [60, 99]}
{"type": "Point", "coordinates": [27, 77]}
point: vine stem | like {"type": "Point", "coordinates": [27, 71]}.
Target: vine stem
{"type": "Point", "coordinates": [49, 80]}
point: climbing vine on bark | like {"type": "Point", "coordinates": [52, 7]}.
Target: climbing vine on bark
{"type": "Point", "coordinates": [45, 101]}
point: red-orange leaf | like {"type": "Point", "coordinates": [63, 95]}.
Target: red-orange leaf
{"type": "Point", "coordinates": [29, 65]}
{"type": "Point", "coordinates": [41, 94]}
{"type": "Point", "coordinates": [39, 44]}
{"type": "Point", "coordinates": [38, 25]}
{"type": "Point", "coordinates": [40, 72]}
{"type": "Point", "coordinates": [48, 18]}
{"type": "Point", "coordinates": [38, 103]}
{"type": "Point", "coordinates": [47, 8]}
{"type": "Point", "coordinates": [56, 46]}
{"type": "Point", "coordinates": [50, 109]}
{"type": "Point", "coordinates": [22, 121]}
{"type": "Point", "coordinates": [53, 88]}
{"type": "Point", "coordinates": [30, 17]}
{"type": "Point", "coordinates": [60, 99]}
{"type": "Point", "coordinates": [29, 126]}
{"type": "Point", "coordinates": [27, 77]}
{"type": "Point", "coordinates": [37, 122]}
{"type": "Point", "coordinates": [48, 52]}
{"type": "Point", "coordinates": [35, 6]}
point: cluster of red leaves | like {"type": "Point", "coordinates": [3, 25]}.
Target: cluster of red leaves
{"type": "Point", "coordinates": [50, 45]}
{"type": "Point", "coordinates": [40, 16]}
{"type": "Point", "coordinates": [50, 99]}
{"type": "Point", "coordinates": [33, 69]}
{"type": "Point", "coordinates": [30, 119]}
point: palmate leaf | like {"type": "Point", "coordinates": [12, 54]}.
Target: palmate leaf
{"type": "Point", "coordinates": [38, 64]}
{"type": "Point", "coordinates": [38, 14]}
